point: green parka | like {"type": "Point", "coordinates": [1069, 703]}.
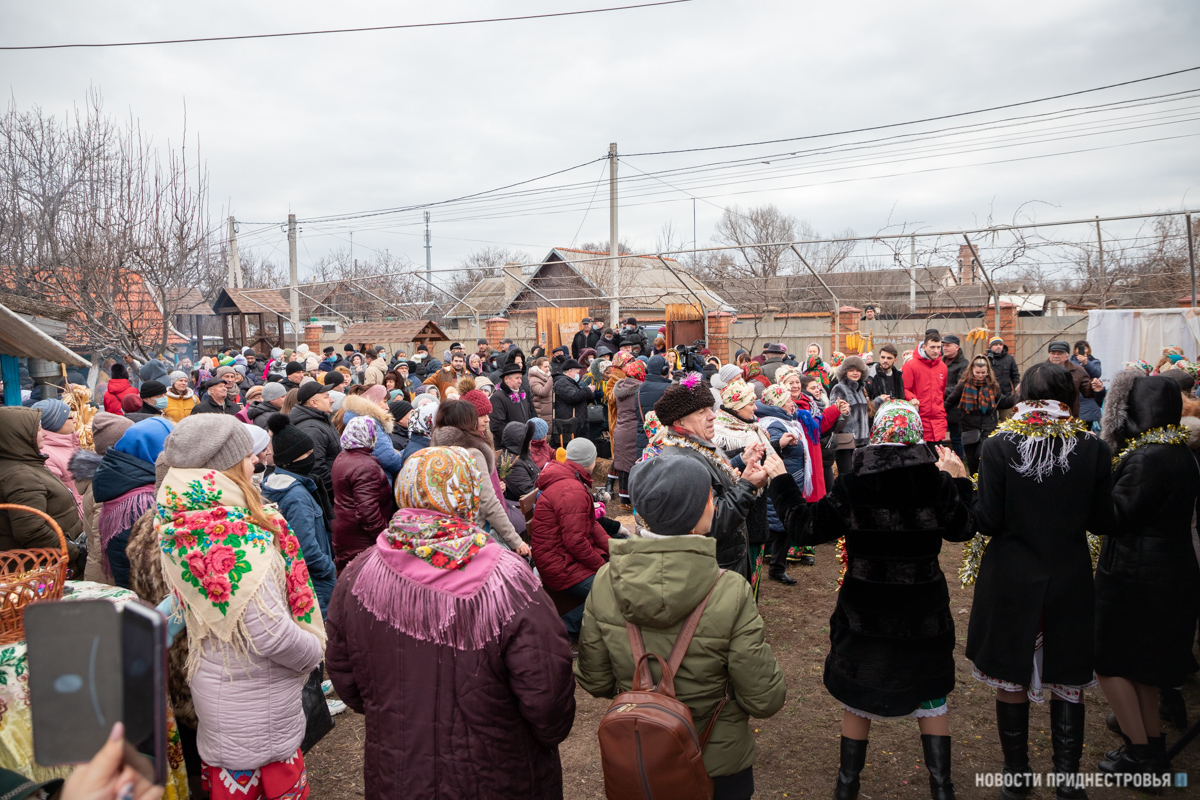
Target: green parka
{"type": "Point", "coordinates": [655, 583]}
{"type": "Point", "coordinates": [25, 480]}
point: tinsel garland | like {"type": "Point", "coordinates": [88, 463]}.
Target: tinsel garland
{"type": "Point", "coordinates": [1167, 434]}
{"type": "Point", "coordinates": [973, 556]}
{"type": "Point", "coordinates": [1059, 428]}
{"type": "Point", "coordinates": [843, 559]}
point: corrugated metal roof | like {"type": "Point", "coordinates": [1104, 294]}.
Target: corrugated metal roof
{"type": "Point", "coordinates": [19, 337]}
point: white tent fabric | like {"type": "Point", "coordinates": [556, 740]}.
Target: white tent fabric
{"type": "Point", "coordinates": [1129, 334]}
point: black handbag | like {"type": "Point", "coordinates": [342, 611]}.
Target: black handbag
{"type": "Point", "coordinates": [597, 414]}
{"type": "Point", "coordinates": [318, 720]}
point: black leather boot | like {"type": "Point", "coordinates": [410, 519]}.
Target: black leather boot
{"type": "Point", "coordinates": [1131, 759]}
{"type": "Point", "coordinates": [1012, 720]}
{"type": "Point", "coordinates": [1066, 730]}
{"type": "Point", "coordinates": [854, 756]}
{"type": "Point", "coordinates": [937, 761]}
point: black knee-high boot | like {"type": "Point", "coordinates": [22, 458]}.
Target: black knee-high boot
{"type": "Point", "coordinates": [1012, 719]}
{"type": "Point", "coordinates": [854, 757]}
{"type": "Point", "coordinates": [937, 761]}
{"type": "Point", "coordinates": [1066, 730]}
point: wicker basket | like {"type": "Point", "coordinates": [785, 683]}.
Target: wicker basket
{"type": "Point", "coordinates": [27, 576]}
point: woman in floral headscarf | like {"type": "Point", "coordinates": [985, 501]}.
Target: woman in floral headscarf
{"type": "Point", "coordinates": [447, 643]}
{"type": "Point", "coordinates": [891, 633]}
{"type": "Point", "coordinates": [362, 496]}
{"type": "Point", "coordinates": [813, 365]}
{"type": "Point", "coordinates": [253, 626]}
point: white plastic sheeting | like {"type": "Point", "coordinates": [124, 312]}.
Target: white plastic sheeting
{"type": "Point", "coordinates": [1123, 335]}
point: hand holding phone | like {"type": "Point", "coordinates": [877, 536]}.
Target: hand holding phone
{"type": "Point", "coordinates": [107, 775]}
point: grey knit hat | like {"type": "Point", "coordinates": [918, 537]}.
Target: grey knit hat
{"type": "Point", "coordinates": [582, 452]}
{"type": "Point", "coordinates": [176, 376]}
{"type": "Point", "coordinates": [273, 391]}
{"type": "Point", "coordinates": [207, 441]}
{"type": "Point", "coordinates": [670, 493]}
{"type": "Point", "coordinates": [726, 374]}
{"type": "Point", "coordinates": [54, 413]}
{"type": "Point", "coordinates": [107, 429]}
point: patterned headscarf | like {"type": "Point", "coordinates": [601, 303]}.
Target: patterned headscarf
{"type": "Point", "coordinates": [446, 482]}
{"type": "Point", "coordinates": [361, 433]}
{"type": "Point", "coordinates": [1173, 350]}
{"type": "Point", "coordinates": [621, 359]}
{"type": "Point", "coordinates": [898, 422]}
{"type": "Point", "coordinates": [837, 359]}
{"type": "Point", "coordinates": [751, 370]}
{"type": "Point", "coordinates": [1190, 367]}
{"type": "Point", "coordinates": [655, 430]}
{"type": "Point", "coordinates": [783, 372]}
{"type": "Point", "coordinates": [421, 422]}
{"type": "Point", "coordinates": [1141, 364]}
{"type": "Point", "coordinates": [737, 394]}
{"type": "Point", "coordinates": [776, 395]}
{"type": "Point", "coordinates": [635, 369]}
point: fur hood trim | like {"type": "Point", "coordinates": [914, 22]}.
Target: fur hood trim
{"type": "Point", "coordinates": [363, 407]}
{"type": "Point", "coordinates": [1116, 408]}
{"type": "Point", "coordinates": [626, 387]}
{"type": "Point", "coordinates": [83, 463]}
{"type": "Point", "coordinates": [853, 362]}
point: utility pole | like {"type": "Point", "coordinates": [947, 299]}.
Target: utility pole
{"type": "Point", "coordinates": [293, 280]}
{"type": "Point", "coordinates": [694, 244]}
{"type": "Point", "coordinates": [1103, 281]}
{"type": "Point", "coordinates": [1191, 258]}
{"type": "Point", "coordinates": [235, 264]}
{"type": "Point", "coordinates": [428, 252]}
{"type": "Point", "coordinates": [912, 275]}
{"type": "Point", "coordinates": [614, 301]}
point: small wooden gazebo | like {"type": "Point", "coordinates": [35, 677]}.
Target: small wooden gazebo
{"type": "Point", "coordinates": [262, 306]}
{"type": "Point", "coordinates": [394, 334]}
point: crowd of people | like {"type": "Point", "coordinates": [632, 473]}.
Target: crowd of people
{"type": "Point", "coordinates": [435, 535]}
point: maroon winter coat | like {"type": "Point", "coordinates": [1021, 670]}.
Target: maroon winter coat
{"type": "Point", "coordinates": [455, 724]}
{"type": "Point", "coordinates": [362, 504]}
{"type": "Point", "coordinates": [625, 432]}
{"type": "Point", "coordinates": [568, 543]}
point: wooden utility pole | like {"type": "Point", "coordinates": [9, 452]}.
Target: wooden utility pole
{"type": "Point", "coordinates": [614, 301]}
{"type": "Point", "coordinates": [293, 281]}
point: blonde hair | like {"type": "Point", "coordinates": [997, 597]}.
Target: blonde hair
{"type": "Point", "coordinates": [289, 401]}
{"type": "Point", "coordinates": [253, 499]}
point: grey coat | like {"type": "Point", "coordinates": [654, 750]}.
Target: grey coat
{"type": "Point", "coordinates": [625, 449]}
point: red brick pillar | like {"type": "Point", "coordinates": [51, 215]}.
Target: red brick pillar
{"type": "Point", "coordinates": [846, 324]}
{"type": "Point", "coordinates": [718, 334]}
{"type": "Point", "coordinates": [312, 336]}
{"type": "Point", "coordinates": [496, 329]}
{"type": "Point", "coordinates": [1008, 322]}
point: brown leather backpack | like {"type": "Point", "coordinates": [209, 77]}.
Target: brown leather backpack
{"type": "Point", "coordinates": [649, 749]}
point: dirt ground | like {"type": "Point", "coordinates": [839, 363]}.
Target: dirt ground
{"type": "Point", "coordinates": [798, 747]}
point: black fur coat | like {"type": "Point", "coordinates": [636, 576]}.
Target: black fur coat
{"type": "Point", "coordinates": [891, 633]}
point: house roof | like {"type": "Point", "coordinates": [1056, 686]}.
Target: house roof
{"type": "Point", "coordinates": [802, 292]}
{"type": "Point", "coordinates": [251, 301]}
{"type": "Point", "coordinates": [400, 331]}
{"type": "Point", "coordinates": [19, 337]}
{"type": "Point", "coordinates": [644, 284]}
{"type": "Point", "coordinates": [189, 302]}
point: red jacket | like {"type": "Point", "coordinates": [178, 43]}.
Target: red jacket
{"type": "Point", "coordinates": [117, 389]}
{"type": "Point", "coordinates": [925, 382]}
{"type": "Point", "coordinates": [827, 420]}
{"type": "Point", "coordinates": [568, 543]}
{"type": "Point", "coordinates": [362, 504]}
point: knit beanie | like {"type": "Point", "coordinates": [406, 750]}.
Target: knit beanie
{"type": "Point", "coordinates": [294, 367]}
{"type": "Point", "coordinates": [737, 394]}
{"type": "Point", "coordinates": [334, 379]}
{"type": "Point", "coordinates": [131, 404]}
{"type": "Point", "coordinates": [376, 393]}
{"type": "Point", "coordinates": [223, 371]}
{"type": "Point", "coordinates": [726, 375]}
{"type": "Point", "coordinates": [540, 428]}
{"type": "Point", "coordinates": [582, 452]}
{"type": "Point", "coordinates": [258, 436]}
{"type": "Point", "coordinates": [107, 429]}
{"type": "Point", "coordinates": [54, 414]}
{"type": "Point", "coordinates": [273, 391]}
{"type": "Point", "coordinates": [398, 408]}
{"type": "Point", "coordinates": [207, 441]}
{"type": "Point", "coordinates": [176, 376]}
{"type": "Point", "coordinates": [683, 398]}
{"type": "Point", "coordinates": [670, 493]}
{"type": "Point", "coordinates": [151, 389]}
{"type": "Point", "coordinates": [480, 400]}
{"type": "Point", "coordinates": [289, 442]}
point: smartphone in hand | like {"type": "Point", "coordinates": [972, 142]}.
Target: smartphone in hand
{"type": "Point", "coordinates": [90, 667]}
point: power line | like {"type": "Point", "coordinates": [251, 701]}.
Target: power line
{"type": "Point", "coordinates": [919, 121]}
{"type": "Point", "coordinates": [345, 30]}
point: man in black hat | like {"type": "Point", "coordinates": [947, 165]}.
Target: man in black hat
{"type": "Point", "coordinates": [482, 348]}
{"type": "Point", "coordinates": [154, 398]}
{"type": "Point", "coordinates": [330, 361]}
{"type": "Point", "coordinates": [216, 399]}
{"type": "Point", "coordinates": [312, 415]}
{"type": "Point", "coordinates": [579, 343]}
{"type": "Point", "coordinates": [774, 354]}
{"type": "Point", "coordinates": [294, 373]}
{"type": "Point", "coordinates": [1060, 354]}
{"type": "Point", "coordinates": [570, 404]}
{"type": "Point", "coordinates": [956, 364]}
{"type": "Point", "coordinates": [634, 336]}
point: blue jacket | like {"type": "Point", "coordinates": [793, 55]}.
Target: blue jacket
{"type": "Point", "coordinates": [415, 442]}
{"type": "Point", "coordinates": [293, 494]}
{"type": "Point", "coordinates": [792, 455]}
{"type": "Point", "coordinates": [384, 452]}
{"type": "Point", "coordinates": [1089, 409]}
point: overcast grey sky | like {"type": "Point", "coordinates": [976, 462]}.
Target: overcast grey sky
{"type": "Point", "coordinates": [353, 122]}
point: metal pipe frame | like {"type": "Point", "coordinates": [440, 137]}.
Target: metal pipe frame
{"type": "Point", "coordinates": [837, 304]}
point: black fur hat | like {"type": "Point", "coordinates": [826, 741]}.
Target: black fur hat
{"type": "Point", "coordinates": [689, 395]}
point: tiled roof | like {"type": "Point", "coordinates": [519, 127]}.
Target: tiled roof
{"type": "Point", "coordinates": [399, 331]}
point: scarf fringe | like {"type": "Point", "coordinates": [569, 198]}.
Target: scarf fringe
{"type": "Point", "coordinates": [119, 514]}
{"type": "Point", "coordinates": [431, 615]}
{"type": "Point", "coordinates": [1038, 456]}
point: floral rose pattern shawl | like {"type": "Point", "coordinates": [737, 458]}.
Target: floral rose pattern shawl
{"type": "Point", "coordinates": [216, 558]}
